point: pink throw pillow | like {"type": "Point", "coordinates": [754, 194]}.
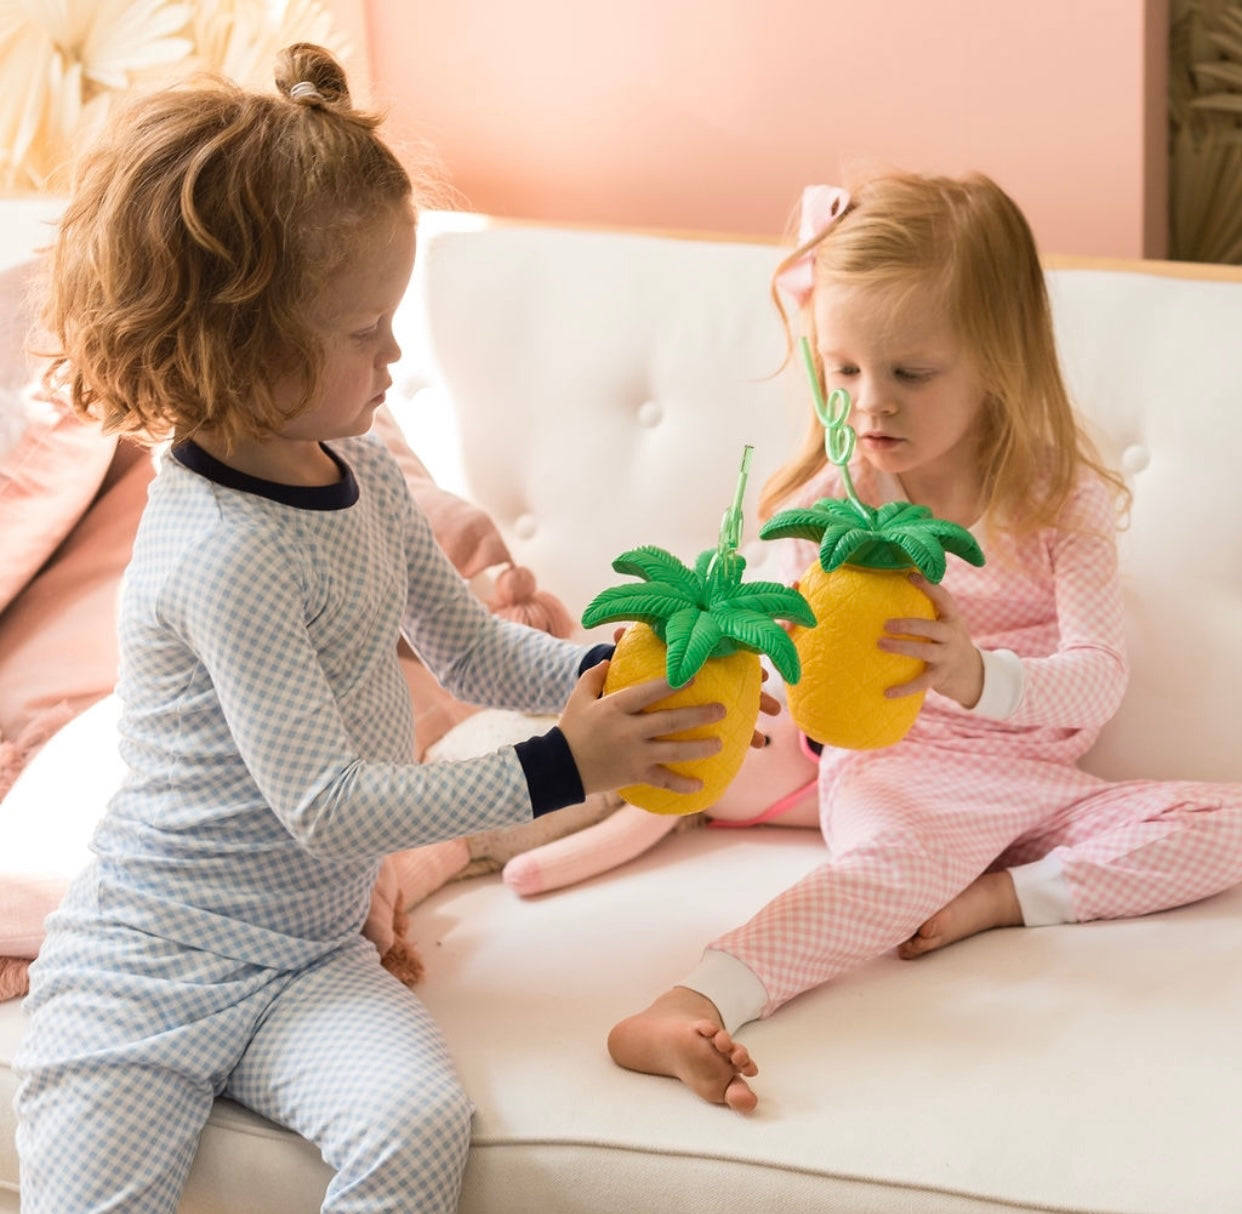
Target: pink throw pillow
{"type": "Point", "coordinates": [58, 636]}
{"type": "Point", "coordinates": [51, 464]}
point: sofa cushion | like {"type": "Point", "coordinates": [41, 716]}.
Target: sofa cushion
{"type": "Point", "coordinates": [1084, 1068]}
{"type": "Point", "coordinates": [1074, 1068]}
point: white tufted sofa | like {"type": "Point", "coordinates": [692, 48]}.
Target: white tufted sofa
{"type": "Point", "coordinates": [593, 390]}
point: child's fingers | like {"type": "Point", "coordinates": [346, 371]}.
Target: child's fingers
{"type": "Point", "coordinates": [941, 599]}
{"type": "Point", "coordinates": [590, 684]}
{"type": "Point", "coordinates": [920, 649]}
{"type": "Point", "coordinates": [672, 781]}
{"type": "Point", "coordinates": [638, 696]}
{"type": "Point", "coordinates": [914, 627]}
{"type": "Point", "coordinates": [913, 687]}
{"type": "Point", "coordinates": [684, 750]}
{"type": "Point", "coordinates": [665, 721]}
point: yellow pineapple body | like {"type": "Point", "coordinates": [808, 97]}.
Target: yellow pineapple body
{"type": "Point", "coordinates": [733, 681]}
{"type": "Point", "coordinates": [840, 700]}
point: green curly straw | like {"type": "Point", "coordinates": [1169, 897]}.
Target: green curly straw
{"type": "Point", "coordinates": [731, 524]}
{"type": "Point", "coordinates": [839, 436]}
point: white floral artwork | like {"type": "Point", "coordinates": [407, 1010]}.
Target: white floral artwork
{"type": "Point", "coordinates": [64, 62]}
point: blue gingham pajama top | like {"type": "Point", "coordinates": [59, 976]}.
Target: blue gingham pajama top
{"type": "Point", "coordinates": [267, 727]}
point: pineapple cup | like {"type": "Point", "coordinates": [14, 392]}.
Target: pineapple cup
{"type": "Point", "coordinates": [704, 624]}
{"type": "Point", "coordinates": [860, 580]}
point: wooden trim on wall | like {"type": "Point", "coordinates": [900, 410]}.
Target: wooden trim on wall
{"type": "Point", "coordinates": [1207, 271]}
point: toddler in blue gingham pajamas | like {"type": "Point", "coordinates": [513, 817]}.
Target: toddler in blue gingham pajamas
{"type": "Point", "coordinates": [218, 243]}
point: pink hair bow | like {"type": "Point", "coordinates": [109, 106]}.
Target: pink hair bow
{"type": "Point", "coordinates": [822, 206]}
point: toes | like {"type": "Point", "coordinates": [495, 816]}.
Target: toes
{"type": "Point", "coordinates": [733, 1052]}
{"type": "Point", "coordinates": [927, 938]}
{"type": "Point", "coordinates": [740, 1097]}
{"type": "Point", "coordinates": [721, 1041]}
{"type": "Point", "coordinates": [917, 945]}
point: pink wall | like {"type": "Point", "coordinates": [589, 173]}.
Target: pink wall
{"type": "Point", "coordinates": [713, 113]}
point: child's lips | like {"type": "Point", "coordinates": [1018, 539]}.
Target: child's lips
{"type": "Point", "coordinates": [878, 439]}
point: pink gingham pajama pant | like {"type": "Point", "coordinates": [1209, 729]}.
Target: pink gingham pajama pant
{"type": "Point", "coordinates": [909, 831]}
{"type": "Point", "coordinates": [910, 826]}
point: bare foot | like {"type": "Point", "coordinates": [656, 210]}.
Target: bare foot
{"type": "Point", "coordinates": [988, 901]}
{"type": "Point", "coordinates": [681, 1035]}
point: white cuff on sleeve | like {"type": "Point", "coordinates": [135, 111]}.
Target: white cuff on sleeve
{"type": "Point", "coordinates": [1004, 681]}
{"type": "Point", "coordinates": [732, 986]}
{"type": "Point", "coordinates": [1042, 892]}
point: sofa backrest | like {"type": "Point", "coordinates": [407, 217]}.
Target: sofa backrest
{"type": "Point", "coordinates": [1153, 356]}
{"type": "Point", "coordinates": [593, 390]}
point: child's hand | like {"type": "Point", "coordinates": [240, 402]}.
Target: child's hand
{"type": "Point", "coordinates": [615, 743]}
{"type": "Point", "coordinates": [954, 665]}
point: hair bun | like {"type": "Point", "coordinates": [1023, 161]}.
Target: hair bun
{"type": "Point", "coordinates": [310, 75]}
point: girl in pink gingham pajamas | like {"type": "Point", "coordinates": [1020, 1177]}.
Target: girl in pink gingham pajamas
{"type": "Point", "coordinates": [925, 300]}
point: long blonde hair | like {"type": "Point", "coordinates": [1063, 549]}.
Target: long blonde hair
{"type": "Point", "coordinates": [200, 227]}
{"type": "Point", "coordinates": [967, 240]}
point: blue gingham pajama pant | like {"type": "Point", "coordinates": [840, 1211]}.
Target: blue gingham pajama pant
{"type": "Point", "coordinates": [131, 1038]}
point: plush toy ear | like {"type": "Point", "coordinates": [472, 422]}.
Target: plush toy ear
{"type": "Point", "coordinates": [608, 844]}
{"type": "Point", "coordinates": [516, 597]}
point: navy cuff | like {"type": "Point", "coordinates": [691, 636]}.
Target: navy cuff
{"type": "Point", "coordinates": [594, 656]}
{"type": "Point", "coordinates": [551, 773]}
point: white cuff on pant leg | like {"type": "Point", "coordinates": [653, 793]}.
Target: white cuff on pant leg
{"type": "Point", "coordinates": [731, 985]}
{"type": "Point", "coordinates": [1042, 892]}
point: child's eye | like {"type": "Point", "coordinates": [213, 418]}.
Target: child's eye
{"type": "Point", "coordinates": [366, 334]}
{"type": "Point", "coordinates": [845, 370]}
{"type": "Point", "coordinates": [911, 377]}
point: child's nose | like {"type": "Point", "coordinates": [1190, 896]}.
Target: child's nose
{"type": "Point", "coordinates": [389, 352]}
{"type": "Point", "coordinates": [873, 398]}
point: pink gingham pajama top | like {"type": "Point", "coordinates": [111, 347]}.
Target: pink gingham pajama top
{"type": "Point", "coordinates": [908, 827]}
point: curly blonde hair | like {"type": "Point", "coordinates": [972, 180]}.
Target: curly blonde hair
{"type": "Point", "coordinates": [202, 225]}
{"type": "Point", "coordinates": [966, 240]}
